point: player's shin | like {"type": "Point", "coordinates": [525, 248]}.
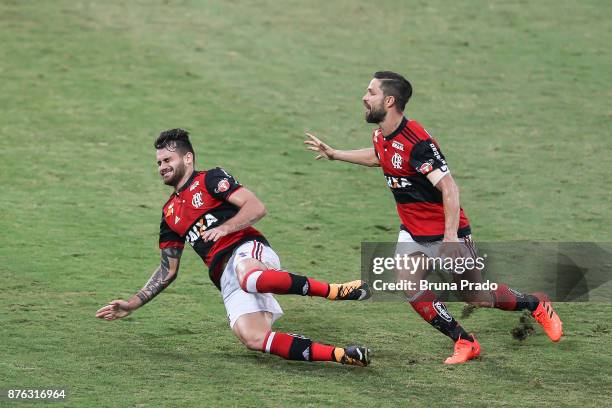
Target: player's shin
{"type": "Point", "coordinates": [435, 313]}
{"type": "Point", "coordinates": [282, 283]}
{"type": "Point", "coordinates": [296, 347]}
{"type": "Point", "coordinates": [505, 298]}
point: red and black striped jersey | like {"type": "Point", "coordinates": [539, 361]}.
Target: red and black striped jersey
{"type": "Point", "coordinates": [406, 156]}
{"type": "Point", "coordinates": [201, 203]}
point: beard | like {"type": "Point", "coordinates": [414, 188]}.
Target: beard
{"type": "Point", "coordinates": [177, 175]}
{"type": "Point", "coordinates": [375, 114]}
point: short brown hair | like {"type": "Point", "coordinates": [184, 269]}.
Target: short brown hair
{"type": "Point", "coordinates": [175, 140]}
{"type": "Point", "coordinates": [393, 84]}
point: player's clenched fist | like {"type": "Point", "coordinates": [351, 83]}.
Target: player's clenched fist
{"type": "Point", "coordinates": [316, 145]}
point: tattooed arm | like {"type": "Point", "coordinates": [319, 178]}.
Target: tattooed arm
{"type": "Point", "coordinates": [163, 276]}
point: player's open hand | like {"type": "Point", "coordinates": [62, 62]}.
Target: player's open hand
{"type": "Point", "coordinates": [316, 145]}
{"type": "Point", "coordinates": [214, 234]}
{"type": "Point", "coordinates": [116, 309]}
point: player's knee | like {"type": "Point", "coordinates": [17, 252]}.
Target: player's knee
{"type": "Point", "coordinates": [479, 303]}
{"type": "Point", "coordinates": [410, 294]}
{"type": "Point", "coordinates": [247, 265]}
{"type": "Point", "coordinates": [411, 291]}
{"type": "Point", "coordinates": [252, 341]}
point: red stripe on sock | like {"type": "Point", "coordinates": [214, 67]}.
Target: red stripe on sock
{"type": "Point", "coordinates": [281, 344]}
{"type": "Point", "coordinates": [321, 352]}
{"type": "Point", "coordinates": [423, 305]}
{"type": "Point", "coordinates": [504, 298]}
{"type": "Point", "coordinates": [273, 281]}
{"type": "Point", "coordinates": [317, 288]}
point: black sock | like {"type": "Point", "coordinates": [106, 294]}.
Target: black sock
{"type": "Point", "coordinates": [436, 314]}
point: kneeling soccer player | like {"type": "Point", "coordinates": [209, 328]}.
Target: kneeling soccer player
{"type": "Point", "coordinates": [214, 213]}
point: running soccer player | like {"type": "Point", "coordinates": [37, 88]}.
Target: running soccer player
{"type": "Point", "coordinates": [427, 200]}
{"type": "Point", "coordinates": [214, 214]}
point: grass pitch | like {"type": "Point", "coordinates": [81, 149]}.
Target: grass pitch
{"type": "Point", "coordinates": [518, 94]}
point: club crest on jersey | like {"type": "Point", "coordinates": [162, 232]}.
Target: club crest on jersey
{"type": "Point", "coordinates": [396, 161]}
{"type": "Point", "coordinates": [194, 185]}
{"type": "Point", "coordinates": [223, 186]}
{"type": "Point", "coordinates": [425, 168]}
{"type": "Point", "coordinates": [197, 201]}
{"type": "Point", "coordinates": [397, 145]}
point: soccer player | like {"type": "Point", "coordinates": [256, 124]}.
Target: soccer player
{"type": "Point", "coordinates": [214, 214]}
{"type": "Point", "coordinates": [427, 199]}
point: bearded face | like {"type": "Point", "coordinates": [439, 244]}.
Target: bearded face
{"type": "Point", "coordinates": [375, 113]}
{"type": "Point", "coordinates": [173, 175]}
{"type": "Point", "coordinates": [373, 101]}
{"type": "Point", "coordinates": [171, 167]}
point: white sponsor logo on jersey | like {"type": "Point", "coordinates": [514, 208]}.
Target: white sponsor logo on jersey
{"type": "Point", "coordinates": [397, 145]}
{"type": "Point", "coordinates": [194, 185]}
{"type": "Point", "coordinates": [397, 182]}
{"type": "Point", "coordinates": [199, 227]}
{"type": "Point", "coordinates": [396, 161]}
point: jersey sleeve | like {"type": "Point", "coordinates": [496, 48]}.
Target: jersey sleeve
{"type": "Point", "coordinates": [427, 159]}
{"type": "Point", "coordinates": [220, 184]}
{"type": "Point", "coordinates": [169, 238]}
{"type": "Point", "coordinates": [375, 137]}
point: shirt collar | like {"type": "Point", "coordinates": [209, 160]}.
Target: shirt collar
{"type": "Point", "coordinates": [398, 130]}
{"type": "Point", "coordinates": [187, 183]}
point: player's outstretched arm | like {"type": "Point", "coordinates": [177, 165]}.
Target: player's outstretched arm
{"type": "Point", "coordinates": [364, 157]}
{"type": "Point", "coordinates": [163, 276]}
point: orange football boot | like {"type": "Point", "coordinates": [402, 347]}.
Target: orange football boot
{"type": "Point", "coordinates": [355, 290]}
{"type": "Point", "coordinates": [549, 320]}
{"type": "Point", "coordinates": [464, 350]}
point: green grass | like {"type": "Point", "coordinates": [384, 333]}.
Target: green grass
{"type": "Point", "coordinates": [518, 94]}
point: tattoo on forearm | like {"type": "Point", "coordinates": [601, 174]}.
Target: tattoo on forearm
{"type": "Point", "coordinates": [161, 278]}
{"type": "Point", "coordinates": [245, 224]}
